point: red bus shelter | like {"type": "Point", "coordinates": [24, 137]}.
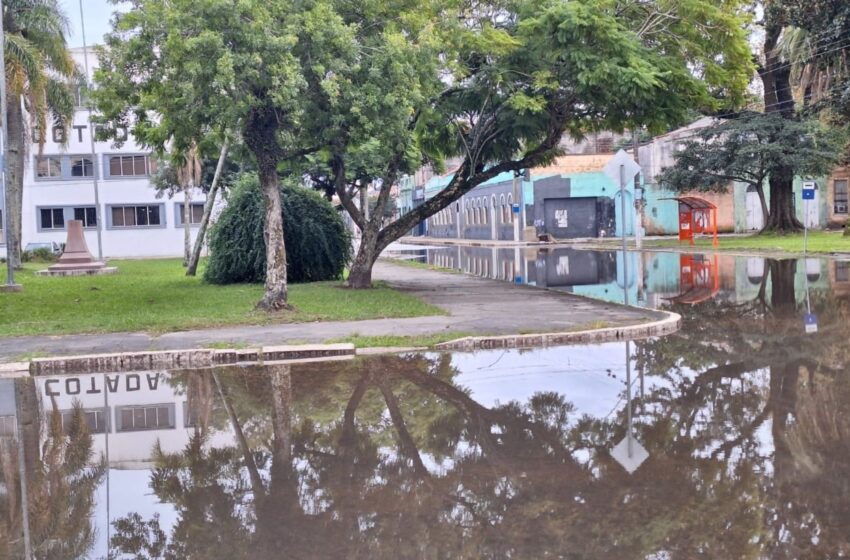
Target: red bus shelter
{"type": "Point", "coordinates": [696, 216]}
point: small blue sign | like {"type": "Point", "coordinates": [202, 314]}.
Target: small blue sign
{"type": "Point", "coordinates": [518, 280]}
{"type": "Point", "coordinates": [516, 208]}
{"type": "Point", "coordinates": [811, 322]}
{"type": "Point", "coordinates": [808, 194]}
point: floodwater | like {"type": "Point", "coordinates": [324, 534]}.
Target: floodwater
{"type": "Point", "coordinates": [729, 439]}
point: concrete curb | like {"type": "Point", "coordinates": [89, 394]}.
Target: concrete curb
{"type": "Point", "coordinates": [668, 325]}
{"type": "Point", "coordinates": [184, 359]}
{"type": "Point", "coordinates": [11, 370]}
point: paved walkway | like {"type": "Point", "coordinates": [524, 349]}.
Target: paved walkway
{"type": "Point", "coordinates": [474, 306]}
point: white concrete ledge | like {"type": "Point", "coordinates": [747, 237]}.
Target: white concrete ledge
{"type": "Point", "coordinates": [14, 369]}
{"type": "Point", "coordinates": [668, 325]}
{"type": "Point", "coordinates": [184, 359]}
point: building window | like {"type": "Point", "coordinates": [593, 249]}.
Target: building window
{"type": "Point", "coordinates": [82, 167]}
{"type": "Point", "coordinates": [95, 419]}
{"type": "Point", "coordinates": [87, 215]}
{"type": "Point", "coordinates": [841, 196]}
{"type": "Point", "coordinates": [842, 271]}
{"type": "Point", "coordinates": [139, 418]}
{"type": "Point", "coordinates": [136, 216]}
{"type": "Point", "coordinates": [129, 166]}
{"type": "Point", "coordinates": [48, 167]}
{"type": "Point", "coordinates": [52, 218]}
{"type": "Point", "coordinates": [197, 211]}
{"type": "Point", "coordinates": [7, 426]}
{"type": "Point", "coordinates": [81, 95]}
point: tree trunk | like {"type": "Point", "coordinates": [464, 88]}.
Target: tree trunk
{"type": "Point", "coordinates": [192, 269]}
{"type": "Point", "coordinates": [187, 223]}
{"type": "Point", "coordinates": [15, 181]}
{"type": "Point", "coordinates": [765, 211]}
{"type": "Point", "coordinates": [782, 217]}
{"type": "Point", "coordinates": [29, 423]}
{"type": "Point", "coordinates": [776, 80]}
{"type": "Point", "coordinates": [360, 273]}
{"type": "Point", "coordinates": [276, 289]}
{"type": "Point", "coordinates": [247, 455]}
{"type": "Point", "coordinates": [281, 389]}
{"type": "Point", "coordinates": [783, 296]}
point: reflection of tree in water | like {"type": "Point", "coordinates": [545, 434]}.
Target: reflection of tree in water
{"type": "Point", "coordinates": [61, 484]}
{"type": "Point", "coordinates": [388, 458]}
{"type": "Point", "coordinates": [720, 358]}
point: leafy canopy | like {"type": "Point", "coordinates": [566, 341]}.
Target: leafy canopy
{"type": "Point", "coordinates": [319, 243]}
{"type": "Point", "coordinates": [747, 148]}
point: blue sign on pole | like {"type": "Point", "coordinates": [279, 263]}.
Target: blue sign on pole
{"type": "Point", "coordinates": [515, 208]}
{"type": "Point", "coordinates": [808, 194]}
{"type": "Point", "coordinates": [811, 323]}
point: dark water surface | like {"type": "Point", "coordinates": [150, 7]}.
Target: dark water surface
{"type": "Point", "coordinates": [743, 415]}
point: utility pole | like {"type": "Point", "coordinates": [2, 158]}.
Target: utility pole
{"type": "Point", "coordinates": [10, 285]}
{"type": "Point", "coordinates": [638, 202]}
{"type": "Point", "coordinates": [516, 196]}
{"type": "Point", "coordinates": [98, 220]}
{"type": "Point", "coordinates": [623, 231]}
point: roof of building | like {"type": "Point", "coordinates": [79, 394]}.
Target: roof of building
{"type": "Point", "coordinates": [566, 165]}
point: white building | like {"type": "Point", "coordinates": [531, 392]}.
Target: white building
{"type": "Point", "coordinates": [59, 186]}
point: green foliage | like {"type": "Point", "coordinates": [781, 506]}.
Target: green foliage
{"type": "Point", "coordinates": [747, 148]}
{"type": "Point", "coordinates": [40, 255]}
{"type": "Point", "coordinates": [319, 243]}
{"type": "Point", "coordinates": [38, 64]}
{"type": "Point", "coordinates": [819, 50]}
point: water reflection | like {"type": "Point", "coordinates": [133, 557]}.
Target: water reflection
{"type": "Point", "coordinates": [651, 279]}
{"type": "Point", "coordinates": [48, 470]}
{"type": "Point", "coordinates": [497, 454]}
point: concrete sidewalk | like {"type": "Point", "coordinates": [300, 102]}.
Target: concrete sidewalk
{"type": "Point", "coordinates": [473, 305]}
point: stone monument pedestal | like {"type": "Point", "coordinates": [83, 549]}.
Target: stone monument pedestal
{"type": "Point", "coordinates": [76, 260]}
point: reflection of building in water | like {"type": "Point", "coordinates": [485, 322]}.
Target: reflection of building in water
{"type": "Point", "coordinates": [7, 408]}
{"type": "Point", "coordinates": [839, 278]}
{"type": "Point", "coordinates": [655, 279]}
{"type": "Point", "coordinates": [136, 411]}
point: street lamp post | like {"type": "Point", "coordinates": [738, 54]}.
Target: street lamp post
{"type": "Point", "coordinates": [98, 220]}
{"type": "Point", "coordinates": [10, 285]}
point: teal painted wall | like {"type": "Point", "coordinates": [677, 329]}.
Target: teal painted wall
{"type": "Point", "coordinates": [740, 193]}
{"type": "Point", "coordinates": [596, 184]}
{"type": "Point", "coordinates": [661, 213]}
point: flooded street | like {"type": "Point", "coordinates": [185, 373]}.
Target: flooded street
{"type": "Point", "coordinates": [729, 439]}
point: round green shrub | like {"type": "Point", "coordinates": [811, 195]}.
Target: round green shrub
{"type": "Point", "coordinates": [318, 245]}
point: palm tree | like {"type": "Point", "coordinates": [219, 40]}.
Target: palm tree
{"type": "Point", "coordinates": [39, 71]}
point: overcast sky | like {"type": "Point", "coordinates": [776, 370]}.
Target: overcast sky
{"type": "Point", "coordinates": [98, 13]}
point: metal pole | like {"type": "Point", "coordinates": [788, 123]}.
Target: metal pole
{"type": "Point", "coordinates": [638, 221]}
{"type": "Point", "coordinates": [623, 231]}
{"type": "Point", "coordinates": [629, 399]}
{"type": "Point", "coordinates": [10, 286]}
{"type": "Point", "coordinates": [22, 467]}
{"type": "Point", "coordinates": [515, 215]}
{"type": "Point", "coordinates": [97, 212]}
{"type": "Point", "coordinates": [108, 428]}
{"type": "Point", "coordinates": [805, 226]}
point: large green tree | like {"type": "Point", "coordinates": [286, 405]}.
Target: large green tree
{"type": "Point", "coordinates": [747, 148]}
{"type": "Point", "coordinates": [39, 72]}
{"type": "Point", "coordinates": [772, 148]}
{"type": "Point", "coordinates": [175, 70]}
{"type": "Point", "coordinates": [502, 84]}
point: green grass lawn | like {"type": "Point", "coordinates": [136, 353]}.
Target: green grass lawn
{"type": "Point", "coordinates": [819, 242]}
{"type": "Point", "coordinates": [391, 341]}
{"type": "Point", "coordinates": [155, 296]}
